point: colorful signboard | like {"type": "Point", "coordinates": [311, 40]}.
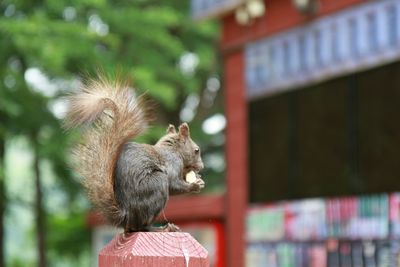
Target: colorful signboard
{"type": "Point", "coordinates": [355, 39]}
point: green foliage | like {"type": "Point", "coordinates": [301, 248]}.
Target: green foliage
{"type": "Point", "coordinates": [69, 40]}
{"type": "Point", "coordinates": [74, 234]}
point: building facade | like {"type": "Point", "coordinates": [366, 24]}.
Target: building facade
{"type": "Point", "coordinates": [312, 93]}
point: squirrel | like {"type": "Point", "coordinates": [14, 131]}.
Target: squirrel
{"type": "Point", "coordinates": [129, 182]}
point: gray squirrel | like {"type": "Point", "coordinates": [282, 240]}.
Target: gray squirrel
{"type": "Point", "coordinates": [128, 182]}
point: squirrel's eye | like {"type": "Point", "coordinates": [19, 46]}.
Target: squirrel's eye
{"type": "Point", "coordinates": [196, 150]}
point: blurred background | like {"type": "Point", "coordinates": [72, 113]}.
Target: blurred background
{"type": "Point", "coordinates": [294, 103]}
{"type": "Point", "coordinates": [46, 49]}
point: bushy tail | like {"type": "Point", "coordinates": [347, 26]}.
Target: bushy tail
{"type": "Point", "coordinates": [111, 115]}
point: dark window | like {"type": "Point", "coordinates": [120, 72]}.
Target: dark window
{"type": "Point", "coordinates": [340, 137]}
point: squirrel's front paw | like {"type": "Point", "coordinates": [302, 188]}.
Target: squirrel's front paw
{"type": "Point", "coordinates": [197, 185]}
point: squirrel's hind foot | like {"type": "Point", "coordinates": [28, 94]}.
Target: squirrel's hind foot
{"type": "Point", "coordinates": [169, 227]}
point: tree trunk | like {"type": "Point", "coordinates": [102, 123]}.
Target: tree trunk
{"type": "Point", "coordinates": [2, 201]}
{"type": "Point", "coordinates": [40, 214]}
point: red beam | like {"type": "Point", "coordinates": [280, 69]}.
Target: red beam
{"type": "Point", "coordinates": [195, 208]}
{"type": "Point", "coordinates": [279, 15]}
{"type": "Point", "coordinates": [236, 156]}
{"type": "Point", "coordinates": [94, 219]}
{"type": "Point", "coordinates": [182, 209]}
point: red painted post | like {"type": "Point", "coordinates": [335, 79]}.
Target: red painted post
{"type": "Point", "coordinates": [151, 249]}
{"type": "Point", "coordinates": [236, 158]}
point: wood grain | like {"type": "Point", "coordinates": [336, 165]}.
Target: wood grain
{"type": "Point", "coordinates": [153, 249]}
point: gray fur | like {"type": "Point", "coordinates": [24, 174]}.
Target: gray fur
{"type": "Point", "coordinates": [129, 183]}
{"type": "Point", "coordinates": [146, 175]}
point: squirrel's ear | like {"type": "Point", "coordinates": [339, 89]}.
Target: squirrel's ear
{"type": "Point", "coordinates": [184, 130]}
{"type": "Point", "coordinates": [171, 129]}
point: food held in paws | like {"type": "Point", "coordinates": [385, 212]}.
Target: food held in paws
{"type": "Point", "coordinates": [190, 177]}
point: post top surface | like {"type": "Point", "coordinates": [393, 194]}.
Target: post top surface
{"type": "Point", "coordinates": [154, 244]}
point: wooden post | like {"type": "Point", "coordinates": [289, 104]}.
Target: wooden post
{"type": "Point", "coordinates": [150, 249]}
{"type": "Point", "coordinates": [236, 159]}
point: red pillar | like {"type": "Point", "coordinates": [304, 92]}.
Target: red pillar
{"type": "Point", "coordinates": [236, 158]}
